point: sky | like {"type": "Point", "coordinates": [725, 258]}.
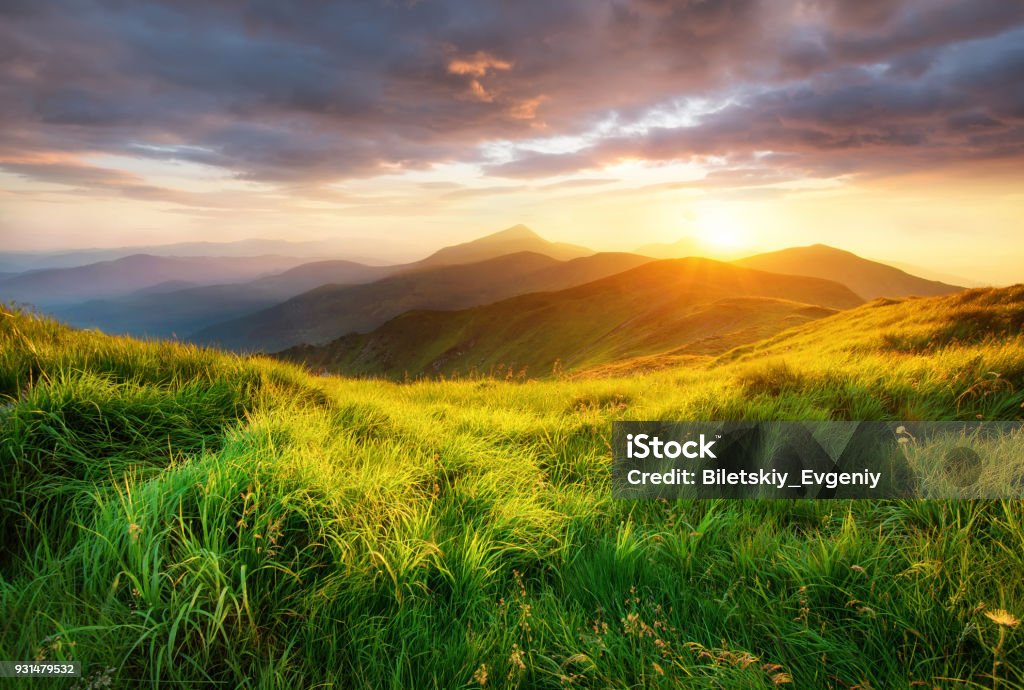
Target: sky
{"type": "Point", "coordinates": [892, 128]}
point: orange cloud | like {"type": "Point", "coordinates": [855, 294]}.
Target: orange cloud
{"type": "Point", "coordinates": [479, 92]}
{"type": "Point", "coordinates": [477, 64]}
{"type": "Point", "coordinates": [526, 109]}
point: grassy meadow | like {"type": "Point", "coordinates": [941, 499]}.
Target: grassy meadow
{"type": "Point", "coordinates": [181, 517]}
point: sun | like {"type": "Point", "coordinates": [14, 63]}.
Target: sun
{"type": "Point", "coordinates": [720, 229]}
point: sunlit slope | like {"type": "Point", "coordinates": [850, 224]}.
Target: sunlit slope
{"type": "Point", "coordinates": [686, 306]}
{"type": "Point", "coordinates": [869, 279]}
{"type": "Point", "coordinates": [884, 332]}
{"type": "Point", "coordinates": [186, 516]}
{"type": "Point", "coordinates": [903, 328]}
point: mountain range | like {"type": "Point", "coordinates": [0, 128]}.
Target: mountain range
{"type": "Point", "coordinates": [361, 318]}
{"type": "Point", "coordinates": [330, 311]}
{"type": "Point", "coordinates": [517, 238]}
{"type": "Point", "coordinates": [680, 249]}
{"type": "Point", "coordinates": [682, 306]}
{"type": "Point", "coordinates": [120, 277]}
{"type": "Point", "coordinates": [363, 250]}
{"type": "Point", "coordinates": [174, 305]}
{"type": "Point", "coordinates": [164, 310]}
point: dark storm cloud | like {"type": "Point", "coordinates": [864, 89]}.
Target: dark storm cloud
{"type": "Point", "coordinates": [307, 92]}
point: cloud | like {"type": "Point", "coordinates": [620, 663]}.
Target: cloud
{"type": "Point", "coordinates": [289, 93]}
{"type": "Point", "coordinates": [68, 172]}
{"type": "Point", "coordinates": [966, 108]}
{"type": "Point", "coordinates": [478, 64]}
{"type": "Point", "coordinates": [475, 67]}
{"type": "Point", "coordinates": [83, 179]}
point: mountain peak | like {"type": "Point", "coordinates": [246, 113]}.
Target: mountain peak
{"type": "Point", "coordinates": [867, 278]}
{"type": "Point", "coordinates": [516, 232]}
{"type": "Point", "coordinates": [517, 238]}
{"type": "Point", "coordinates": [827, 249]}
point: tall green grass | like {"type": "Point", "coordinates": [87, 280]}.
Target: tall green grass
{"type": "Point", "coordinates": [179, 517]}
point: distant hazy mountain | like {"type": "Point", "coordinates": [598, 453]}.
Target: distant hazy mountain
{"type": "Point", "coordinates": [120, 277]}
{"type": "Point", "coordinates": [374, 251]}
{"type": "Point", "coordinates": [869, 279]}
{"type": "Point", "coordinates": [311, 275]}
{"type": "Point", "coordinates": [680, 249]}
{"type": "Point", "coordinates": [583, 270]}
{"type": "Point", "coordinates": [518, 238]}
{"type": "Point", "coordinates": [362, 250]}
{"type": "Point", "coordinates": [165, 314]}
{"type": "Point", "coordinates": [930, 274]}
{"type": "Point", "coordinates": [683, 306]}
{"type": "Point", "coordinates": [166, 286]}
{"type": "Point", "coordinates": [330, 311]}
{"type": "Point", "coordinates": [183, 307]}
{"type": "Point", "coordinates": [161, 312]}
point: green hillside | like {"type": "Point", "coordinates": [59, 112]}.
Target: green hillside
{"type": "Point", "coordinates": [686, 306]}
{"type": "Point", "coordinates": [177, 515]}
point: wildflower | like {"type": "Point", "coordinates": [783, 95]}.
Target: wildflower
{"type": "Point", "coordinates": [480, 675]}
{"type": "Point", "coordinates": [1002, 617]}
{"type": "Point", "coordinates": [516, 660]}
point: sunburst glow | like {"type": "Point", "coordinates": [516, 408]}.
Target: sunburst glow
{"type": "Point", "coordinates": [721, 229]}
